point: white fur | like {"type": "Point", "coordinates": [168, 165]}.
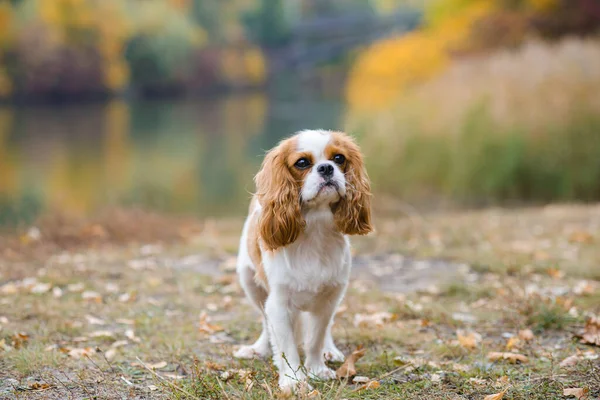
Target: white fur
{"type": "Point", "coordinates": [307, 279]}
{"type": "Point", "coordinates": [316, 142]}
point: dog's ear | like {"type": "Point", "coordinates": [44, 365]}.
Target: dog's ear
{"type": "Point", "coordinates": [278, 193]}
{"type": "Point", "coordinates": [352, 213]}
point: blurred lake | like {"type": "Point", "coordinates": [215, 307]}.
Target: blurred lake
{"type": "Point", "coordinates": [178, 156]}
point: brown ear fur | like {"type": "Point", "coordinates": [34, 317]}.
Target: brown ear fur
{"type": "Point", "coordinates": [353, 213]}
{"type": "Point", "coordinates": [281, 219]}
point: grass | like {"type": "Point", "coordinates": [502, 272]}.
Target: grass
{"type": "Point", "coordinates": [144, 302]}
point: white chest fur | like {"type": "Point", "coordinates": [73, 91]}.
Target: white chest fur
{"type": "Point", "coordinates": [319, 257]}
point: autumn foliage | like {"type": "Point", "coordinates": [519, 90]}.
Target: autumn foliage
{"type": "Point", "coordinates": [455, 28]}
{"type": "Point", "coordinates": [89, 48]}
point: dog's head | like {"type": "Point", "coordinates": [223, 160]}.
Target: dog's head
{"type": "Point", "coordinates": [312, 169]}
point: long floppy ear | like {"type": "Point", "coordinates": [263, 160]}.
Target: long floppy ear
{"type": "Point", "coordinates": [281, 219]}
{"type": "Point", "coordinates": [352, 214]}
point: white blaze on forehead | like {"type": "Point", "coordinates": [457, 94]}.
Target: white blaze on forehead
{"type": "Point", "coordinates": [314, 141]}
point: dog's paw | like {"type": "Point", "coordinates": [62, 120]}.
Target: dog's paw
{"type": "Point", "coordinates": [248, 352]}
{"type": "Point", "coordinates": [290, 386]}
{"type": "Point", "coordinates": [321, 372]}
{"type": "Point", "coordinates": [333, 354]}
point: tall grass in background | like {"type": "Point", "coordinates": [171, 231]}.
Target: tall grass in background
{"type": "Point", "coordinates": [518, 124]}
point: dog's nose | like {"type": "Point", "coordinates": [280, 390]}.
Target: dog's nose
{"type": "Point", "coordinates": [325, 170]}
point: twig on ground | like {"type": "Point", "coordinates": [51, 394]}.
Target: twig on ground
{"type": "Point", "coordinates": [166, 380]}
{"type": "Point", "coordinates": [393, 371]}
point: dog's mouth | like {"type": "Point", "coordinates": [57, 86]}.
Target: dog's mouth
{"type": "Point", "coordinates": [328, 185]}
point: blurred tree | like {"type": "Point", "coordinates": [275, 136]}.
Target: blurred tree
{"type": "Point", "coordinates": [268, 25]}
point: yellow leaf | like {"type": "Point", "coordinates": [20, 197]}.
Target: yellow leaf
{"type": "Point", "coordinates": [581, 237]}
{"type": "Point", "coordinates": [512, 343]}
{"type": "Point", "coordinates": [348, 368]}
{"type": "Point", "coordinates": [579, 393]}
{"type": "Point", "coordinates": [468, 341]}
{"type": "Point", "coordinates": [513, 358]}
{"type": "Point", "coordinates": [368, 386]}
{"type": "Point", "coordinates": [39, 386]}
{"type": "Point", "coordinates": [206, 327]}
{"type": "Point", "coordinates": [496, 396]}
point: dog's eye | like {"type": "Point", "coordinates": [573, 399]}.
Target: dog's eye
{"type": "Point", "coordinates": [302, 163]}
{"type": "Point", "coordinates": [339, 159]}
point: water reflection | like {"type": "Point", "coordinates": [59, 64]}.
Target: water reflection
{"type": "Point", "coordinates": [175, 156]}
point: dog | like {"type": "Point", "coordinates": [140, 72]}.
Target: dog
{"type": "Point", "coordinates": [312, 192]}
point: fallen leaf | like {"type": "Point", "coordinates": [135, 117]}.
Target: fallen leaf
{"type": "Point", "coordinates": [90, 295]}
{"type": "Point", "coordinates": [436, 378]}
{"type": "Point", "coordinates": [360, 379]}
{"type": "Point", "coordinates": [119, 343]}
{"type": "Point", "coordinates": [76, 287]}
{"type": "Point", "coordinates": [581, 237]}
{"type": "Point", "coordinates": [526, 335]}
{"type": "Point", "coordinates": [9, 288]}
{"type": "Point", "coordinates": [130, 334]}
{"type": "Point", "coordinates": [579, 393]}
{"type": "Point", "coordinates": [313, 394]}
{"type": "Point", "coordinates": [502, 381]}
{"type": "Point", "coordinates": [174, 376]}
{"type": "Point", "coordinates": [348, 368]}
{"type": "Point", "coordinates": [478, 381]}
{"type": "Point", "coordinates": [78, 352]}
{"type": "Point", "coordinates": [110, 353]}
{"type": "Point", "coordinates": [103, 334]}
{"type": "Point", "coordinates": [226, 375]}
{"type": "Point", "coordinates": [591, 332]}
{"type": "Point", "coordinates": [39, 386]}
{"type": "Point", "coordinates": [513, 358]}
{"type": "Point", "coordinates": [368, 386]}
{"type": "Point", "coordinates": [158, 365]}
{"type": "Point", "coordinates": [152, 387]}
{"type": "Point", "coordinates": [468, 340]}
{"type": "Point", "coordinates": [19, 340]}
{"type": "Point", "coordinates": [205, 326]}
{"type": "Point", "coordinates": [570, 361]}
{"type": "Point", "coordinates": [555, 273]}
{"type": "Point", "coordinates": [377, 319]}
{"type": "Point", "coordinates": [513, 342]}
{"type": "Point", "coordinates": [214, 366]}
{"type": "Point", "coordinates": [495, 396]}
{"type": "Point", "coordinates": [126, 297]}
{"type": "Point", "coordinates": [40, 288]}
{"type": "Point", "coordinates": [94, 321]}
{"type": "Point", "coordinates": [583, 288]}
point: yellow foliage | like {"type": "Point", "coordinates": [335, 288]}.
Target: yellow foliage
{"type": "Point", "coordinates": [387, 68]}
{"type": "Point", "coordinates": [6, 18]}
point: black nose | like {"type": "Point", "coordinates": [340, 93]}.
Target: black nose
{"type": "Point", "coordinates": [325, 170]}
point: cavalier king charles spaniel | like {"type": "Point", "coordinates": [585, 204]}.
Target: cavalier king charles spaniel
{"type": "Point", "coordinates": [294, 260]}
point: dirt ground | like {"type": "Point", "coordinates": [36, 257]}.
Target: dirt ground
{"type": "Point", "coordinates": [458, 305]}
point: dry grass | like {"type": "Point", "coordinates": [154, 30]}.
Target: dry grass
{"type": "Point", "coordinates": [147, 298]}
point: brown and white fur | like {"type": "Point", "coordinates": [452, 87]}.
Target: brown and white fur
{"type": "Point", "coordinates": [294, 259]}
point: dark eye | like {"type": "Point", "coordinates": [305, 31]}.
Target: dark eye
{"type": "Point", "coordinates": [302, 163]}
{"type": "Point", "coordinates": [339, 159]}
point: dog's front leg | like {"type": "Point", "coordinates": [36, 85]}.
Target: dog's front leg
{"type": "Point", "coordinates": [317, 331]}
{"type": "Point", "coordinates": [280, 319]}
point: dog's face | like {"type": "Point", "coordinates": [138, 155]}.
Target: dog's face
{"type": "Point", "coordinates": [309, 170]}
